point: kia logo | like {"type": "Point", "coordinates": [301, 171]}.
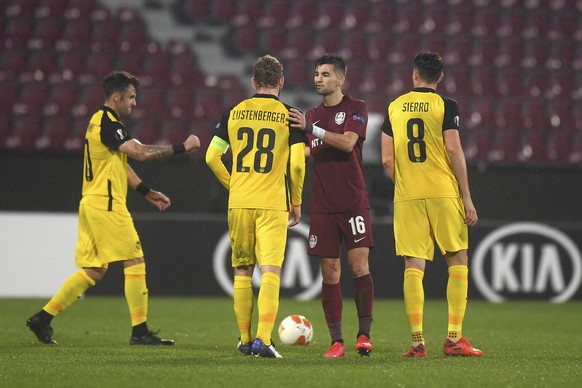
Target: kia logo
{"type": "Point", "coordinates": [527, 259]}
{"type": "Point", "coordinates": [300, 276]}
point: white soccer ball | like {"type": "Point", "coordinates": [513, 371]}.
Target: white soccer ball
{"type": "Point", "coordinates": [295, 330]}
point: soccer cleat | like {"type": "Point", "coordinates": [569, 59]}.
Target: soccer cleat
{"type": "Point", "coordinates": [364, 345]}
{"type": "Point", "coordinates": [41, 329]}
{"type": "Point", "coordinates": [150, 339]}
{"type": "Point", "coordinates": [415, 351]}
{"type": "Point", "coordinates": [460, 348]}
{"type": "Point", "coordinates": [259, 349]}
{"type": "Point", "coordinates": [336, 350]}
{"type": "Point", "coordinates": [244, 348]}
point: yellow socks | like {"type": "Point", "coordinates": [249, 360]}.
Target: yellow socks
{"type": "Point", "coordinates": [457, 289]}
{"type": "Point", "coordinates": [136, 293]}
{"type": "Point", "coordinates": [243, 306]}
{"type": "Point", "coordinates": [268, 303]}
{"type": "Point", "coordinates": [70, 291]}
{"type": "Point", "coordinates": [414, 302]}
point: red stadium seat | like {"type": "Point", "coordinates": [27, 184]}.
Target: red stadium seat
{"type": "Point", "coordinates": [509, 115]}
{"type": "Point", "coordinates": [49, 29]}
{"type": "Point", "coordinates": [181, 102]}
{"type": "Point", "coordinates": [560, 146]}
{"type": "Point", "coordinates": [534, 150]}
{"type": "Point", "coordinates": [274, 40]}
{"type": "Point", "coordinates": [147, 131]}
{"type": "Point", "coordinates": [505, 149]}
{"type": "Point", "coordinates": [57, 130]}
{"type": "Point", "coordinates": [26, 130]}
{"type": "Point", "coordinates": [174, 131]}
{"type": "Point", "coordinates": [476, 145]}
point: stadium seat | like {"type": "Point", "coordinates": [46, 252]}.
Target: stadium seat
{"type": "Point", "coordinates": [509, 114]}
{"type": "Point", "coordinates": [505, 148]}
{"type": "Point", "coordinates": [273, 14]}
{"type": "Point", "coordinates": [20, 28]}
{"type": "Point", "coordinates": [56, 130]}
{"type": "Point", "coordinates": [26, 130]}
{"type": "Point", "coordinates": [43, 60]}
{"type": "Point", "coordinates": [209, 104]}
{"type": "Point", "coordinates": [13, 61]}
{"type": "Point", "coordinates": [10, 94]}
{"type": "Point", "coordinates": [481, 114]}
{"type": "Point", "coordinates": [535, 116]}
{"type": "Point", "coordinates": [476, 145]}
{"type": "Point", "coordinates": [560, 146]}
{"type": "Point", "coordinates": [64, 94]}
{"type": "Point", "coordinates": [274, 40]}
{"type": "Point", "coordinates": [486, 22]}
{"type": "Point", "coordinates": [382, 14]}
{"type": "Point", "coordinates": [460, 21]}
{"type": "Point", "coordinates": [78, 30]}
{"type": "Point", "coordinates": [533, 150]}
{"type": "Point", "coordinates": [174, 131]}
{"type": "Point", "coordinates": [302, 14]}
{"type": "Point", "coordinates": [147, 130]}
{"type": "Point", "coordinates": [72, 61]}
{"type": "Point", "coordinates": [75, 142]}
{"type": "Point", "coordinates": [358, 16]}
{"type": "Point", "coordinates": [49, 29]}
{"type": "Point", "coordinates": [181, 102]}
{"type": "Point", "coordinates": [222, 11]}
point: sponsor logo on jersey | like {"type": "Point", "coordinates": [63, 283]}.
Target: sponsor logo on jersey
{"type": "Point", "coordinates": [527, 260]}
{"type": "Point", "coordinates": [120, 134]}
{"type": "Point", "coordinates": [359, 118]}
{"type": "Point", "coordinates": [312, 241]}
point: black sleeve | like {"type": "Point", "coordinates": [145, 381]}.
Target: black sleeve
{"type": "Point", "coordinates": [387, 125]}
{"type": "Point", "coordinates": [113, 134]}
{"type": "Point", "coordinates": [451, 118]}
{"type": "Point", "coordinates": [221, 128]}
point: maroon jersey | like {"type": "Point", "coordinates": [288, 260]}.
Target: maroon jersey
{"type": "Point", "coordinates": [338, 177]}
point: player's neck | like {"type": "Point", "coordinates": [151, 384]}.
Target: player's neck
{"type": "Point", "coordinates": [333, 99]}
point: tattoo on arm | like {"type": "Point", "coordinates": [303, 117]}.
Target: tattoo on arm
{"type": "Point", "coordinates": [154, 152]}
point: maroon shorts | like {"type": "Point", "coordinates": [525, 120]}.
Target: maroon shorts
{"type": "Point", "coordinates": [328, 230]}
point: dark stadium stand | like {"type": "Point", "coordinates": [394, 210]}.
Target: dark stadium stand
{"type": "Point", "coordinates": [514, 66]}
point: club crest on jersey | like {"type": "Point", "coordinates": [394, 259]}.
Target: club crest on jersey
{"type": "Point", "coordinates": [340, 117]}
{"type": "Point", "coordinates": [312, 241]}
{"type": "Point", "coordinates": [120, 134]}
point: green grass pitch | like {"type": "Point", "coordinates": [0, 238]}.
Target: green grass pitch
{"type": "Point", "coordinates": [525, 344]}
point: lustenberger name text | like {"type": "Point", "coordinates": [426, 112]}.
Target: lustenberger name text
{"type": "Point", "coordinates": [262, 115]}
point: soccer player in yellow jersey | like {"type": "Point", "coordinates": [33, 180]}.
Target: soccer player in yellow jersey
{"type": "Point", "coordinates": [265, 187]}
{"type": "Point", "coordinates": [106, 230]}
{"type": "Point", "coordinates": [422, 154]}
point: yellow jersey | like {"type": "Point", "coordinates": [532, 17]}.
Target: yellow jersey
{"type": "Point", "coordinates": [105, 167]}
{"type": "Point", "coordinates": [416, 121]}
{"type": "Point", "coordinates": [258, 132]}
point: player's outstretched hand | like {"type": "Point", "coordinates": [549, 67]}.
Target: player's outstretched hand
{"type": "Point", "coordinates": [294, 215]}
{"type": "Point", "coordinates": [159, 200]}
{"type": "Point", "coordinates": [191, 143]}
{"type": "Point", "coordinates": [298, 119]}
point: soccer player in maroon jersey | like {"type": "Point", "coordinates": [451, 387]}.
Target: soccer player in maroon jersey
{"type": "Point", "coordinates": [340, 211]}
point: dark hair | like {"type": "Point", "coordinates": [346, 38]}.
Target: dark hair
{"type": "Point", "coordinates": [267, 71]}
{"type": "Point", "coordinates": [118, 81]}
{"type": "Point", "coordinates": [429, 66]}
{"type": "Point", "coordinates": [336, 60]}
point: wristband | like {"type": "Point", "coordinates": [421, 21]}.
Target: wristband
{"type": "Point", "coordinates": [318, 132]}
{"type": "Point", "coordinates": [308, 127]}
{"type": "Point", "coordinates": [179, 148]}
{"type": "Point", "coordinates": [142, 189]}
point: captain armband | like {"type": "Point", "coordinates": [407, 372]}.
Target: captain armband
{"type": "Point", "coordinates": [220, 143]}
